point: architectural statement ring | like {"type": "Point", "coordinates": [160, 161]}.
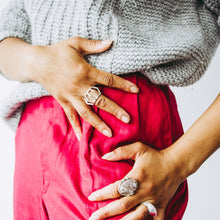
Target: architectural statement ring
{"type": "Point", "coordinates": [92, 95]}
{"type": "Point", "coordinates": [151, 208]}
{"type": "Point", "coordinates": [128, 186]}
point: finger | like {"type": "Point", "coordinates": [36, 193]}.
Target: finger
{"type": "Point", "coordinates": [160, 214]}
{"type": "Point", "coordinates": [91, 117]}
{"type": "Point", "coordinates": [111, 80]}
{"type": "Point", "coordinates": [108, 192]}
{"type": "Point", "coordinates": [131, 151]}
{"type": "Point", "coordinates": [114, 208]}
{"type": "Point", "coordinates": [74, 121]}
{"type": "Point", "coordinates": [140, 213]}
{"type": "Point", "coordinates": [111, 191]}
{"type": "Point", "coordinates": [108, 105]}
{"type": "Point", "coordinates": [86, 46]}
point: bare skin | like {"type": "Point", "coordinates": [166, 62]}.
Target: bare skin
{"type": "Point", "coordinates": [63, 71]}
{"type": "Point", "coordinates": [171, 166]}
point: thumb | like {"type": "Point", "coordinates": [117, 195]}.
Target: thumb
{"type": "Point", "coordinates": [131, 151]}
{"type": "Point", "coordinates": [86, 46]}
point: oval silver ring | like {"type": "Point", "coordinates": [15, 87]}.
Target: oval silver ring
{"type": "Point", "coordinates": [128, 186]}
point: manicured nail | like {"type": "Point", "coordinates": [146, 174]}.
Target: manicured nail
{"type": "Point", "coordinates": [125, 119]}
{"type": "Point", "coordinates": [134, 89]}
{"type": "Point", "coordinates": [106, 42]}
{"type": "Point", "coordinates": [92, 197]}
{"type": "Point", "coordinates": [107, 133]}
{"type": "Point", "coordinates": [78, 136]}
{"type": "Point", "coordinates": [94, 217]}
{"type": "Point", "coordinates": [107, 156]}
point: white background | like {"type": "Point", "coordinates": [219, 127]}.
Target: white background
{"type": "Point", "coordinates": [192, 102]}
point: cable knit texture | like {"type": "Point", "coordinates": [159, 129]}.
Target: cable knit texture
{"type": "Point", "coordinates": [170, 42]}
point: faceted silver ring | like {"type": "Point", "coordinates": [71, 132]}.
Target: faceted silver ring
{"type": "Point", "coordinates": [92, 95]}
{"type": "Point", "coordinates": [128, 186]}
{"type": "Point", "coordinates": [151, 209]}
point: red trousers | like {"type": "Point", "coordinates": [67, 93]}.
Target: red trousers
{"type": "Point", "coordinates": [55, 173]}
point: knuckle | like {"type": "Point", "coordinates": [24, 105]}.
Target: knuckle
{"type": "Point", "coordinates": [120, 151]}
{"type": "Point", "coordinates": [105, 213]}
{"type": "Point", "coordinates": [73, 86]}
{"type": "Point", "coordinates": [70, 116]}
{"type": "Point", "coordinates": [141, 174]}
{"type": "Point", "coordinates": [142, 215]}
{"type": "Point", "coordinates": [83, 113]}
{"type": "Point", "coordinates": [101, 102]}
{"type": "Point", "coordinates": [123, 152]}
{"type": "Point", "coordinates": [125, 205]}
{"type": "Point", "coordinates": [108, 79]}
{"type": "Point", "coordinates": [116, 111]}
{"type": "Point", "coordinates": [150, 187]}
{"type": "Point", "coordinates": [98, 125]}
{"type": "Point", "coordinates": [92, 43]}
{"type": "Point", "coordinates": [126, 85]}
{"type": "Point", "coordinates": [94, 76]}
{"type": "Point", "coordinates": [76, 41]}
{"type": "Point", "coordinates": [82, 69]}
{"type": "Point", "coordinates": [113, 193]}
{"type": "Point", "coordinates": [139, 145]}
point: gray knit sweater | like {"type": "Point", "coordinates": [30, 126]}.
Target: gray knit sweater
{"type": "Point", "coordinates": [170, 41]}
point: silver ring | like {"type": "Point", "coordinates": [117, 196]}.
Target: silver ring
{"type": "Point", "coordinates": [92, 95]}
{"type": "Point", "coordinates": [151, 208]}
{"type": "Point", "coordinates": [128, 186]}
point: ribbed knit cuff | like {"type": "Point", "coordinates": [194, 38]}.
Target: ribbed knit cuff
{"type": "Point", "coordinates": [21, 35]}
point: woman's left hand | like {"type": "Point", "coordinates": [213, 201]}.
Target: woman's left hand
{"type": "Point", "coordinates": [158, 174]}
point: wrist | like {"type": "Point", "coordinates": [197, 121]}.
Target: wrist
{"type": "Point", "coordinates": [189, 152]}
{"type": "Point", "coordinates": [181, 164]}
{"type": "Point", "coordinates": [31, 55]}
{"type": "Point", "coordinates": [23, 57]}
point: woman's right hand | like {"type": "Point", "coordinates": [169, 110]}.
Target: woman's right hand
{"type": "Point", "coordinates": [65, 74]}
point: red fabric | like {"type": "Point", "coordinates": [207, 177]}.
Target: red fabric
{"type": "Point", "coordinates": [55, 174]}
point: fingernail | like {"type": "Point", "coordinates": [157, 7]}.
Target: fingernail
{"type": "Point", "coordinates": [106, 42]}
{"type": "Point", "coordinates": [94, 217]}
{"type": "Point", "coordinates": [92, 197]}
{"type": "Point", "coordinates": [134, 89]}
{"type": "Point", "coordinates": [107, 133]}
{"type": "Point", "coordinates": [107, 156]}
{"type": "Point", "coordinates": [78, 136]}
{"type": "Point", "coordinates": [125, 119]}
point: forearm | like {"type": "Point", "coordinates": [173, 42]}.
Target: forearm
{"type": "Point", "coordinates": [160, 173]}
{"type": "Point", "coordinates": [199, 142]}
{"type": "Point", "coordinates": [15, 54]}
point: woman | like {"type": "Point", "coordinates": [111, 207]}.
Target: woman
{"type": "Point", "coordinates": [55, 173]}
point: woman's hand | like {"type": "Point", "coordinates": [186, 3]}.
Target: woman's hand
{"type": "Point", "coordinates": [64, 73]}
{"type": "Point", "coordinates": [160, 172]}
{"type": "Point", "coordinates": [158, 178]}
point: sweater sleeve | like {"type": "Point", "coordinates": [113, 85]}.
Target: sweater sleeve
{"type": "Point", "coordinates": [14, 21]}
{"type": "Point", "coordinates": [214, 6]}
